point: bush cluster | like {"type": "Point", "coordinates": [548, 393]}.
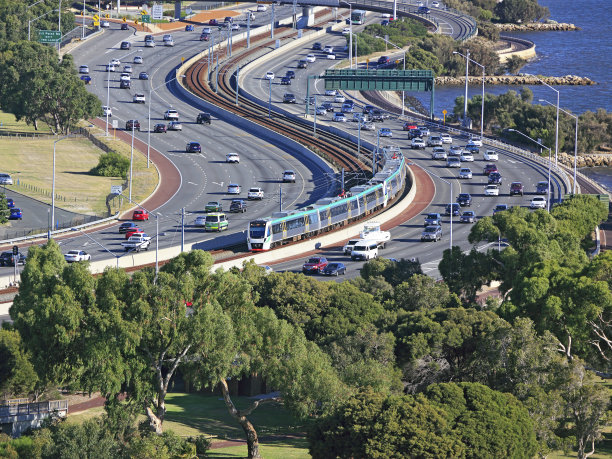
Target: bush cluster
{"type": "Point", "coordinates": [111, 164]}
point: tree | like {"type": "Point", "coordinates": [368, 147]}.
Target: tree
{"type": "Point", "coordinates": [514, 64]}
{"type": "Point", "coordinates": [4, 211]}
{"type": "Point", "coordinates": [516, 11]}
{"type": "Point", "coordinates": [466, 274]}
{"type": "Point", "coordinates": [421, 292]}
{"type": "Point", "coordinates": [17, 375]}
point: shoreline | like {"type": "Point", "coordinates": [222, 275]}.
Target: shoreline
{"type": "Point", "coordinates": [519, 80]}
{"type": "Point", "coordinates": [537, 27]}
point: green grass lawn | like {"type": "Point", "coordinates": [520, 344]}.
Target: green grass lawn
{"type": "Point", "coordinates": [267, 450]}
{"type": "Point", "coordinates": [8, 123]}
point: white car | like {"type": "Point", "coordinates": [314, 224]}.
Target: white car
{"type": "Point", "coordinates": [339, 98]}
{"type": "Point", "coordinates": [310, 57]}
{"type": "Point", "coordinates": [115, 62]}
{"type": "Point", "coordinates": [321, 111]}
{"type": "Point", "coordinates": [477, 141]}
{"type": "Point", "coordinates": [107, 110]}
{"type": "Point", "coordinates": [269, 76]}
{"type": "Point", "coordinates": [424, 131]}
{"type": "Point", "coordinates": [346, 31]}
{"type": "Point", "coordinates": [149, 44]}
{"type": "Point", "coordinates": [455, 150]}
{"type": "Point", "coordinates": [127, 68]}
{"type": "Point", "coordinates": [491, 190]}
{"type": "Point", "coordinates": [340, 117]}
{"type": "Point", "coordinates": [175, 126]}
{"type": "Point", "coordinates": [467, 157]}
{"type": "Point", "coordinates": [368, 126]}
{"type": "Point", "coordinates": [328, 49]}
{"type": "Point", "coordinates": [465, 173]}
{"type": "Point", "coordinates": [434, 141]}
{"type": "Point", "coordinates": [453, 161]}
{"type": "Point", "coordinates": [261, 8]}
{"type": "Point", "coordinates": [538, 202]}
{"type": "Point", "coordinates": [417, 142]}
{"type": "Point", "coordinates": [139, 99]}
{"type": "Point", "coordinates": [125, 77]}
{"type": "Point", "coordinates": [77, 255]}
{"type": "Point", "coordinates": [435, 4]}
{"type": "Point", "coordinates": [490, 155]}
{"type": "Point", "coordinates": [233, 188]}
{"type": "Point", "coordinates": [171, 114]}
{"type": "Point", "coordinates": [385, 132]}
{"type": "Point", "coordinates": [169, 42]}
{"type": "Point", "coordinates": [232, 158]}
{"type": "Point", "coordinates": [235, 26]}
{"type": "Point", "coordinates": [255, 193]}
{"type": "Point", "coordinates": [110, 68]}
{"type": "Point", "coordinates": [105, 24]}
{"type": "Point", "coordinates": [446, 138]}
{"type": "Point", "coordinates": [200, 221]}
{"type": "Point", "coordinates": [330, 92]}
{"type": "Point", "coordinates": [385, 15]}
{"type": "Point", "coordinates": [331, 56]}
{"type": "Point", "coordinates": [438, 153]}
{"type": "Point", "coordinates": [138, 60]}
{"type": "Point", "coordinates": [289, 176]}
{"type": "Point", "coordinates": [83, 69]}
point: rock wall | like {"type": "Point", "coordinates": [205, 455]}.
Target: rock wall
{"type": "Point", "coordinates": [536, 26]}
{"type": "Point", "coordinates": [521, 80]}
{"type": "Point", "coordinates": [586, 160]}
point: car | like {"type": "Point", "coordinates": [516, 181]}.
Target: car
{"type": "Point", "coordinates": [105, 24]}
{"type": "Point", "coordinates": [200, 221]}
{"type": "Point", "coordinates": [330, 92]}
{"type": "Point", "coordinates": [489, 168]}
{"type": "Point", "coordinates": [204, 36]}
{"type": "Point", "coordinates": [261, 8]}
{"type": "Point", "coordinates": [491, 190]}
{"type": "Point", "coordinates": [160, 127]}
{"type": "Point", "coordinates": [495, 178]}
{"type": "Point", "coordinates": [435, 4]}
{"type": "Point", "coordinates": [286, 80]}
{"type": "Point", "coordinates": [359, 118]}
{"type": "Point", "coordinates": [132, 124]}
{"type": "Point", "coordinates": [455, 208]}
{"type": "Point", "coordinates": [472, 149]}
{"type": "Point", "coordinates": [138, 60]}
{"type": "Point", "coordinates": [86, 79]}
{"type": "Point", "coordinates": [455, 150]}
{"type": "Point", "coordinates": [465, 173]}
{"type": "Point", "coordinates": [346, 31]}
{"type": "Point", "coordinates": [339, 98]}
{"type": "Point", "coordinates": [167, 37]}
{"type": "Point", "coordinates": [289, 98]}
{"type": "Point", "coordinates": [232, 158]}
{"type": "Point", "coordinates": [423, 10]}
{"type": "Point", "coordinates": [233, 188]}
{"type": "Point", "coordinates": [115, 62]}
{"type": "Point", "coordinates": [516, 188]}
{"type": "Point", "coordinates": [500, 208]}
{"type": "Point", "coordinates": [433, 141]}
{"type": "Point", "coordinates": [385, 15]}
{"type": "Point", "coordinates": [321, 110]}
{"type": "Point", "coordinates": [10, 203]}
{"type": "Point", "coordinates": [269, 76]}
{"type": "Point", "coordinates": [140, 214]}
{"type": "Point", "coordinates": [126, 45]}
{"type": "Point", "coordinates": [213, 206]}
{"type": "Point", "coordinates": [125, 84]}
{"type": "Point", "coordinates": [425, 131]}
{"type": "Point", "coordinates": [367, 109]}
{"type": "Point", "coordinates": [8, 259]}
{"type": "Point", "coordinates": [467, 157]}
{"type": "Point", "coordinates": [302, 64]}
{"type": "Point", "coordinates": [542, 187]}
{"type": "Point", "coordinates": [383, 60]}
{"type": "Point", "coordinates": [5, 179]}
{"type": "Point", "coordinates": [238, 205]}
{"type": "Point", "coordinates": [169, 42]}
{"type": "Point", "coordinates": [538, 202]}
{"type": "Point", "coordinates": [106, 110]}
{"type": "Point", "coordinates": [235, 27]}
{"type": "Point", "coordinates": [143, 76]}
{"type": "Point", "coordinates": [464, 199]}
{"type": "Point", "coordinates": [203, 118]}
{"type": "Point", "coordinates": [127, 226]}
{"type": "Point", "coordinates": [175, 126]}
{"type": "Point", "coordinates": [334, 269]}
{"type": "Point", "coordinates": [193, 147]}
{"type": "Point", "coordinates": [124, 26]}
{"type": "Point", "coordinates": [73, 256]}
{"type": "Point", "coordinates": [290, 74]}
{"type": "Point", "coordinates": [432, 218]}
{"type": "Point", "coordinates": [110, 68]}
{"type": "Point", "coordinates": [453, 161]}
{"type": "Point", "coordinates": [339, 117]}
{"type": "Point", "coordinates": [309, 100]}
{"type": "Point", "coordinates": [385, 132]}
{"type": "Point", "coordinates": [171, 114]}
{"type": "Point", "coordinates": [490, 155]}
{"type": "Point", "coordinates": [125, 77]}
{"type": "Point", "coordinates": [255, 193]}
{"type": "Point", "coordinates": [328, 106]}
{"type": "Point", "coordinates": [384, 22]}
{"type": "Point", "coordinates": [316, 46]}
{"type": "Point", "coordinates": [15, 214]}
{"type": "Point", "coordinates": [139, 99]}
{"type": "Point", "coordinates": [150, 44]}
{"type": "Point", "coordinates": [468, 217]}
{"type": "Point", "coordinates": [432, 233]}
{"type": "Point", "coordinates": [417, 143]}
{"type": "Point", "coordinates": [314, 265]}
{"type": "Point", "coordinates": [216, 221]}
{"type": "Point", "coordinates": [378, 115]}
{"type": "Point", "coordinates": [331, 56]}
{"type": "Point", "coordinates": [328, 49]}
{"type": "Point", "coordinates": [477, 141]}
{"type": "Point", "coordinates": [446, 138]}
{"type": "Point", "coordinates": [409, 126]}
{"type": "Point", "coordinates": [189, 28]}
{"type": "Point", "coordinates": [413, 133]}
{"type": "Point", "coordinates": [83, 69]}
{"type": "Point", "coordinates": [438, 153]}
{"type": "Point", "coordinates": [310, 58]}
{"type": "Point", "coordinates": [368, 126]}
{"type": "Point", "coordinates": [289, 176]}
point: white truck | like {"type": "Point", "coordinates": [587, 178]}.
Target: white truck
{"type": "Point", "coordinates": [371, 232]}
{"type": "Point", "coordinates": [137, 242]}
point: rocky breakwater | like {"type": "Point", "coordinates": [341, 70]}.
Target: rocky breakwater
{"type": "Point", "coordinates": [537, 27]}
{"type": "Point", "coordinates": [592, 160]}
{"type": "Point", "coordinates": [520, 80]}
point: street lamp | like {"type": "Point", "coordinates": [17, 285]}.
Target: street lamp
{"type": "Point", "coordinates": [53, 186]}
{"type": "Point", "coordinates": [483, 87]}
{"type": "Point", "coordinates": [98, 243]}
{"type": "Point", "coordinates": [107, 96]}
{"type": "Point", "coordinates": [575, 140]}
{"type": "Point", "coordinates": [557, 122]}
{"type": "Point", "coordinates": [404, 51]}
{"type": "Point", "coordinates": [549, 160]}
{"type": "Point", "coordinates": [350, 31]}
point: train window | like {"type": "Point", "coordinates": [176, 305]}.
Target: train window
{"type": "Point", "coordinates": [370, 197]}
{"type": "Point", "coordinates": [257, 229]}
{"type": "Point", "coordinates": [295, 223]}
{"type": "Point", "coordinates": [362, 201]}
{"type": "Point", "coordinates": [338, 210]}
{"type": "Point", "coordinates": [313, 218]}
{"type": "Point", "coordinates": [277, 228]}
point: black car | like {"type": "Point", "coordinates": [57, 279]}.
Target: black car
{"type": "Point", "coordinates": [125, 84]}
{"type": "Point", "coordinates": [317, 46]}
{"type": "Point", "coordinates": [378, 115]}
{"type": "Point", "coordinates": [6, 259]}
{"type": "Point", "coordinates": [367, 109]}
{"type": "Point", "coordinates": [495, 178]}
{"type": "Point", "coordinates": [203, 118]}
{"type": "Point", "coordinates": [464, 199]}
{"type": "Point", "coordinates": [125, 45]}
{"type": "Point", "coordinates": [328, 106]}
{"type": "Point", "coordinates": [414, 133]}
{"type": "Point", "coordinates": [290, 74]}
{"type": "Point", "coordinates": [542, 188]}
{"type": "Point", "coordinates": [127, 226]}
{"type": "Point", "coordinates": [456, 209]}
{"type": "Point", "coordinates": [467, 217]}
{"type": "Point", "coordinates": [423, 10]}
{"type": "Point", "coordinates": [383, 60]}
{"type": "Point", "coordinates": [334, 269]}
{"type": "Point", "coordinates": [286, 80]}
{"type": "Point", "coordinates": [238, 205]}
{"type": "Point", "coordinates": [193, 147]}
{"type": "Point", "coordinates": [124, 26]}
{"type": "Point", "coordinates": [302, 64]}
{"type": "Point", "coordinates": [289, 98]}
{"type": "Point", "coordinates": [160, 127]}
{"type": "Point", "coordinates": [204, 37]}
{"type": "Point", "coordinates": [132, 124]}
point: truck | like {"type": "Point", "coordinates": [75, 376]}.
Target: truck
{"type": "Point", "coordinates": [137, 242]}
{"type": "Point", "coordinates": [372, 232]}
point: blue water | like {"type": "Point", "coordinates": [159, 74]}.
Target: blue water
{"type": "Point", "coordinates": [584, 53]}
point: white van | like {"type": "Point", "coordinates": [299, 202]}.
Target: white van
{"type": "Point", "coordinates": [364, 250]}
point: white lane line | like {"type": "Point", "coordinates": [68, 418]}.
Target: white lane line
{"type": "Point", "coordinates": [192, 183]}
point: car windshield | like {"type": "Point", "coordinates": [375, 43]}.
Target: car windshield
{"type": "Point", "coordinates": [432, 216]}
{"type": "Point", "coordinates": [212, 218]}
{"type": "Point", "coordinates": [73, 252]}
{"type": "Point", "coordinates": [333, 266]}
{"type": "Point", "coordinates": [313, 261]}
{"type": "Point", "coordinates": [468, 213]}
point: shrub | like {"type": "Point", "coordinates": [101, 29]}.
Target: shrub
{"type": "Point", "coordinates": [111, 164]}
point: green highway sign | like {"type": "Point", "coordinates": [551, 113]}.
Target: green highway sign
{"type": "Point", "coordinates": [49, 36]}
{"type": "Point", "coordinates": [146, 18]}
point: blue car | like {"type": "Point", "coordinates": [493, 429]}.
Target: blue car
{"type": "Point", "coordinates": [16, 214]}
{"type": "Point", "coordinates": [189, 28]}
{"type": "Point", "coordinates": [86, 79]}
{"type": "Point", "coordinates": [10, 203]}
{"type": "Point", "coordinates": [334, 269]}
{"type": "Point", "coordinates": [143, 76]}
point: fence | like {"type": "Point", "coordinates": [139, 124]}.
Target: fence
{"type": "Point", "coordinates": [24, 409]}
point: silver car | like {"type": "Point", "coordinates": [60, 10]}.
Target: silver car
{"type": "Point", "coordinates": [175, 126]}
{"type": "Point", "coordinates": [432, 233]}
{"type": "Point", "coordinates": [465, 173]}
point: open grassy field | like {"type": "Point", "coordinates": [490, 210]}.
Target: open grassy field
{"type": "Point", "coordinates": [8, 123]}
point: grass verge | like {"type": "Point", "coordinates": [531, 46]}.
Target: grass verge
{"type": "Point", "coordinates": [8, 123]}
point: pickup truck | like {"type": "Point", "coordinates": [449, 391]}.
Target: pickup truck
{"type": "Point", "coordinates": [137, 242]}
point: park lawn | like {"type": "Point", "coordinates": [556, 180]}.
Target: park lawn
{"type": "Point", "coordinates": [8, 123]}
{"type": "Point", "coordinates": [267, 450]}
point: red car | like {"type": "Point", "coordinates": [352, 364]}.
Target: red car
{"type": "Point", "coordinates": [140, 215]}
{"type": "Point", "coordinates": [133, 231]}
{"type": "Point", "coordinates": [314, 265]}
{"type": "Point", "coordinates": [408, 126]}
{"type": "Point", "coordinates": [489, 168]}
{"type": "Point", "coordinates": [213, 22]}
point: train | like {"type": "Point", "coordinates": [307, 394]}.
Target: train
{"type": "Point", "coordinates": [329, 213]}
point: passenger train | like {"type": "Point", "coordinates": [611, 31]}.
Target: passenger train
{"type": "Point", "coordinates": [329, 213]}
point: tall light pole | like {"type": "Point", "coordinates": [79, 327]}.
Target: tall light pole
{"type": "Point", "coordinates": [132, 161]}
{"type": "Point", "coordinates": [557, 122]}
{"type": "Point", "coordinates": [350, 31]}
{"type": "Point", "coordinates": [483, 89]}
{"type": "Point", "coordinates": [404, 51]}
{"type": "Point", "coordinates": [467, 63]}
{"type": "Point", "coordinates": [549, 160]}
{"type": "Point", "coordinates": [107, 96]}
{"type": "Point", "coordinates": [53, 186]}
{"type": "Point", "coordinates": [99, 244]}
{"type": "Point", "coordinates": [575, 141]}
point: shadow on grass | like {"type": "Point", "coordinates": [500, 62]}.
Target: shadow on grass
{"type": "Point", "coordinates": [268, 450]}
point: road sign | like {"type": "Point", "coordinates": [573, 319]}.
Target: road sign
{"type": "Point", "coordinates": [158, 11]}
{"type": "Point", "coordinates": [49, 36]}
{"type": "Point", "coordinates": [96, 17]}
{"type": "Point", "coordinates": [444, 112]}
{"type": "Point", "coordinates": [96, 23]}
{"type": "Point", "coordinates": [124, 20]}
{"type": "Point", "coordinates": [116, 189]}
{"type": "Point", "coordinates": [146, 18]}
{"type": "Point", "coordinates": [115, 124]}
{"type": "Point", "coordinates": [107, 15]}
{"type": "Point", "coordinates": [144, 12]}
{"type": "Point", "coordinates": [135, 21]}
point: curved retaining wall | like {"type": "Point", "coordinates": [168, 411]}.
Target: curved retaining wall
{"type": "Point", "coordinates": [528, 53]}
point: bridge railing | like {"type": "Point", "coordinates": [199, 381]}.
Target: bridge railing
{"type": "Point", "coordinates": [22, 409]}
